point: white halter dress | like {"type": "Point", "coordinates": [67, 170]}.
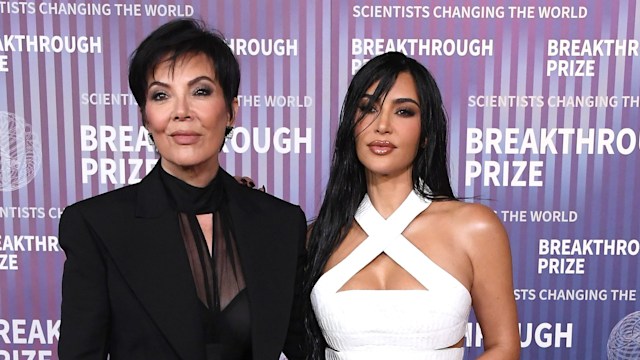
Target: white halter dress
{"type": "Point", "coordinates": [391, 324]}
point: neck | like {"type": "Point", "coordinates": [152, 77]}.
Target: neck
{"type": "Point", "coordinates": [387, 193]}
{"type": "Point", "coordinates": [198, 176]}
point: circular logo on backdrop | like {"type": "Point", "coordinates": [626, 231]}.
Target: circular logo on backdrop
{"type": "Point", "coordinates": [624, 341]}
{"type": "Point", "coordinates": [20, 152]}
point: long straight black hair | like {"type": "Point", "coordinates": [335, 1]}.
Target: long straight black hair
{"type": "Point", "coordinates": [347, 185]}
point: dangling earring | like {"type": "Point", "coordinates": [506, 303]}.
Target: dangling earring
{"type": "Point", "coordinates": [151, 142]}
{"type": "Point", "coordinates": [228, 132]}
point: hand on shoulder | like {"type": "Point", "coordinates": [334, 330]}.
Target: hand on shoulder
{"type": "Point", "coordinates": [248, 182]}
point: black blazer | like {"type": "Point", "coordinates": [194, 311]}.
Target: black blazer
{"type": "Point", "coordinates": [127, 288]}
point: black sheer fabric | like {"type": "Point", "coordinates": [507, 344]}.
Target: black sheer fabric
{"type": "Point", "coordinates": [217, 272]}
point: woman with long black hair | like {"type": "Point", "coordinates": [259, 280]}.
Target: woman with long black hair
{"type": "Point", "coordinates": [396, 261]}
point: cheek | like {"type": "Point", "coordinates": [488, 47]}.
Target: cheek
{"type": "Point", "coordinates": [215, 115]}
{"type": "Point", "coordinates": [362, 128]}
{"type": "Point", "coordinates": [217, 124]}
{"type": "Point", "coordinates": [418, 144]}
{"type": "Point", "coordinates": [416, 129]}
{"type": "Point", "coordinates": [360, 137]}
{"type": "Point", "coordinates": [361, 149]}
{"type": "Point", "coordinates": [157, 119]}
{"type": "Point", "coordinates": [150, 118]}
{"type": "Point", "coordinates": [358, 127]}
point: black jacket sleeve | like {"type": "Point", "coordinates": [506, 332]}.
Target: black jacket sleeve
{"type": "Point", "coordinates": [295, 343]}
{"type": "Point", "coordinates": [84, 327]}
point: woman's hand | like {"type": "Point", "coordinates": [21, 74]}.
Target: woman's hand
{"type": "Point", "coordinates": [248, 182]}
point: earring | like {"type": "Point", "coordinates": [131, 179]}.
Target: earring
{"type": "Point", "coordinates": [228, 132]}
{"type": "Point", "coordinates": [150, 138]}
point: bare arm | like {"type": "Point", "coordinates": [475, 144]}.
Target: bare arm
{"type": "Point", "coordinates": [492, 286]}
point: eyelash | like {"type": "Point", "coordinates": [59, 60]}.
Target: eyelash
{"type": "Point", "coordinates": [202, 91]}
{"type": "Point", "coordinates": [158, 96]}
{"type": "Point", "coordinates": [363, 108]}
{"type": "Point", "coordinates": [161, 95]}
{"type": "Point", "coordinates": [403, 112]}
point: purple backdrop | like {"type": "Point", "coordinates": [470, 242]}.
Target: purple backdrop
{"type": "Point", "coordinates": [543, 99]}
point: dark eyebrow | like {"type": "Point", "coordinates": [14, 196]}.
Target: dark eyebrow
{"type": "Point", "coordinates": [191, 82]}
{"type": "Point", "coordinates": [156, 82]}
{"type": "Point", "coordinates": [405, 100]}
{"type": "Point", "coordinates": [199, 78]}
{"type": "Point", "coordinates": [397, 101]}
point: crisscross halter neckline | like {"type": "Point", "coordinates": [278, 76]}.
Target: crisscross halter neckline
{"type": "Point", "coordinates": [385, 236]}
{"type": "Point", "coordinates": [382, 324]}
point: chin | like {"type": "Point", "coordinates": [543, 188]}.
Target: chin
{"type": "Point", "coordinates": [387, 172]}
{"type": "Point", "coordinates": [190, 162]}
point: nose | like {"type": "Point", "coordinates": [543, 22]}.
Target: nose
{"type": "Point", "coordinates": [181, 110]}
{"type": "Point", "coordinates": [383, 123]}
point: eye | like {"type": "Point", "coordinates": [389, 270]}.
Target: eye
{"type": "Point", "coordinates": [158, 96]}
{"type": "Point", "coordinates": [365, 107]}
{"type": "Point", "coordinates": [404, 112]}
{"type": "Point", "coordinates": [202, 91]}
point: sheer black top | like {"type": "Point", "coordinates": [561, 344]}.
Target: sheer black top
{"type": "Point", "coordinates": [217, 271]}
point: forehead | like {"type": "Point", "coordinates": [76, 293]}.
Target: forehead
{"type": "Point", "coordinates": [404, 83]}
{"type": "Point", "coordinates": [184, 65]}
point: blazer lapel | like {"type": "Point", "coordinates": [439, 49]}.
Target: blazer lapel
{"type": "Point", "coordinates": [268, 273]}
{"type": "Point", "coordinates": [153, 260]}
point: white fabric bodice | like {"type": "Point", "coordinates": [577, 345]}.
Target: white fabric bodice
{"type": "Point", "coordinates": [386, 324]}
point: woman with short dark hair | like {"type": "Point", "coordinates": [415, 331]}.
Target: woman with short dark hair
{"type": "Point", "coordinates": [187, 264]}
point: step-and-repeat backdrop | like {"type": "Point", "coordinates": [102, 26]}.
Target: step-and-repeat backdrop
{"type": "Point", "coordinates": [543, 98]}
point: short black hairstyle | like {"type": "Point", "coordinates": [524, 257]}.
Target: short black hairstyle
{"type": "Point", "coordinates": [175, 40]}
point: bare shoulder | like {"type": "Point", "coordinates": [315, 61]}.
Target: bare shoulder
{"type": "Point", "coordinates": [475, 226]}
{"type": "Point", "coordinates": [469, 216]}
{"type": "Point", "coordinates": [477, 216]}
